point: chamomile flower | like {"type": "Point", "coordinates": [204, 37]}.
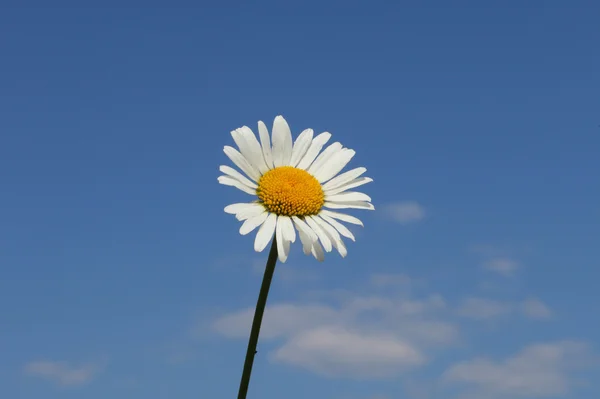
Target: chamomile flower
{"type": "Point", "coordinates": [297, 187]}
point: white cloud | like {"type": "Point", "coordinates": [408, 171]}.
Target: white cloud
{"type": "Point", "coordinates": [405, 212]}
{"type": "Point", "coordinates": [538, 371]}
{"type": "Point", "coordinates": [372, 333]}
{"type": "Point", "coordinates": [535, 309]}
{"type": "Point", "coordinates": [279, 320]}
{"type": "Point", "coordinates": [502, 266]}
{"type": "Point", "coordinates": [337, 351]}
{"type": "Point", "coordinates": [488, 309]}
{"type": "Point", "coordinates": [481, 308]}
{"type": "Point", "coordinates": [63, 373]}
{"type": "Point", "coordinates": [356, 336]}
{"type": "Point", "coordinates": [390, 279]}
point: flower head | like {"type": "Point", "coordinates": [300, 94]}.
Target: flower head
{"type": "Point", "coordinates": [293, 184]}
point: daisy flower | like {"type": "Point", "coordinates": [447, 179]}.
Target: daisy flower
{"type": "Point", "coordinates": [296, 187]}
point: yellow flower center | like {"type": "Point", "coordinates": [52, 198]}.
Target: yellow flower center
{"type": "Point", "coordinates": [290, 191]}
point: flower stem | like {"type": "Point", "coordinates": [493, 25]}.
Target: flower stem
{"type": "Point", "coordinates": [258, 315]}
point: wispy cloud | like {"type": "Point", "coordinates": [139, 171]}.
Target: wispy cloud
{"type": "Point", "coordinates": [63, 373]}
{"type": "Point", "coordinates": [482, 308]}
{"type": "Point", "coordinates": [382, 329]}
{"type": "Point", "coordinates": [504, 266]}
{"type": "Point", "coordinates": [488, 309]}
{"type": "Point", "coordinates": [540, 370]}
{"type": "Point", "coordinates": [405, 212]}
{"type": "Point", "coordinates": [280, 320]}
{"type": "Point", "coordinates": [496, 260]}
{"type": "Point", "coordinates": [535, 309]}
{"type": "Point", "coordinates": [334, 350]}
{"type": "Point", "coordinates": [390, 279]}
{"type": "Point", "coordinates": [357, 335]}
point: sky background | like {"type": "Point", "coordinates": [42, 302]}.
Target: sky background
{"type": "Point", "coordinates": [476, 277]}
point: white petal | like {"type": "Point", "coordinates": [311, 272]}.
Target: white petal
{"type": "Point", "coordinates": [344, 178]}
{"type": "Point", "coordinates": [265, 233]}
{"type": "Point", "coordinates": [343, 230]}
{"type": "Point", "coordinates": [253, 222]}
{"type": "Point", "coordinates": [241, 162]}
{"type": "Point", "coordinates": [341, 216]}
{"type": "Point", "coordinates": [341, 247]}
{"type": "Point", "coordinates": [348, 197]}
{"type": "Point", "coordinates": [282, 142]}
{"type": "Point", "coordinates": [286, 246]}
{"type": "Point", "coordinates": [348, 205]}
{"type": "Point", "coordinates": [333, 235]}
{"type": "Point", "coordinates": [265, 142]}
{"type": "Point", "coordinates": [238, 137]}
{"type": "Point", "coordinates": [330, 151]}
{"type": "Point", "coordinates": [314, 149]}
{"type": "Point", "coordinates": [240, 206]}
{"type": "Point", "coordinates": [242, 139]}
{"type": "Point", "coordinates": [238, 141]}
{"type": "Point", "coordinates": [287, 227]}
{"type": "Point", "coordinates": [250, 212]}
{"type": "Point", "coordinates": [334, 165]}
{"type": "Point", "coordinates": [230, 181]}
{"type": "Point", "coordinates": [283, 245]}
{"type": "Point", "coordinates": [238, 176]}
{"type": "Point", "coordinates": [354, 183]}
{"type": "Point", "coordinates": [304, 228]}
{"type": "Point", "coordinates": [244, 211]}
{"type": "Point", "coordinates": [307, 242]}
{"type": "Point", "coordinates": [301, 146]}
{"type": "Point", "coordinates": [255, 149]}
{"type": "Point", "coordinates": [319, 232]}
{"type": "Point", "coordinates": [317, 251]}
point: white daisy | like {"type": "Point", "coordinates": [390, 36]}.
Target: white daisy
{"type": "Point", "coordinates": [293, 184]}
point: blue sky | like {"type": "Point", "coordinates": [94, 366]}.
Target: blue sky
{"type": "Point", "coordinates": [476, 277]}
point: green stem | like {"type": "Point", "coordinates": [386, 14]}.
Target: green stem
{"type": "Point", "coordinates": [258, 315]}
